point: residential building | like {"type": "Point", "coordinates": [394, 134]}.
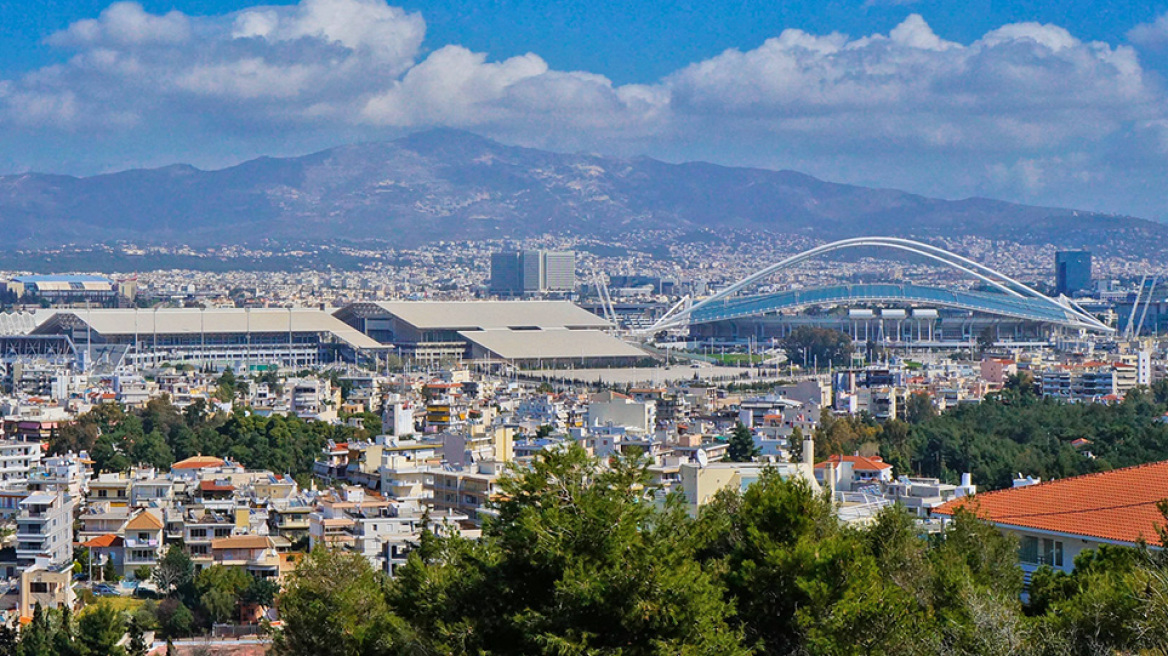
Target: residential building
{"type": "Point", "coordinates": [44, 529]}
{"type": "Point", "coordinates": [1055, 521]}
{"type": "Point", "coordinates": [142, 536]}
{"type": "Point", "coordinates": [17, 459]}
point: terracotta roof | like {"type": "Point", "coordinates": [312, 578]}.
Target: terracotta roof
{"type": "Point", "coordinates": [1118, 505]}
{"type": "Point", "coordinates": [242, 542]}
{"type": "Point", "coordinates": [103, 541]}
{"type": "Point", "coordinates": [859, 463]}
{"type": "Point", "coordinates": [212, 486]}
{"type": "Point", "coordinates": [144, 521]}
{"type": "Point", "coordinates": [198, 462]}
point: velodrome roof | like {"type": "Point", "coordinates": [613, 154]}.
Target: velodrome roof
{"type": "Point", "coordinates": [193, 321]}
{"type": "Point", "coordinates": [556, 343]}
{"type": "Point", "coordinates": [487, 315]}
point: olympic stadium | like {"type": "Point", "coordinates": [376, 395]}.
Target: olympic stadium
{"type": "Point", "coordinates": [887, 312]}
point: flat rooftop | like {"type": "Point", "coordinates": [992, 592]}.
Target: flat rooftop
{"type": "Point", "coordinates": [488, 315]}
{"type": "Point", "coordinates": [552, 344]}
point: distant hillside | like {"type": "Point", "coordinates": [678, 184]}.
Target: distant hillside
{"type": "Point", "coordinates": [447, 184]}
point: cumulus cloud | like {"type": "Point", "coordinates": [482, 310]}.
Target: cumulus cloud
{"type": "Point", "coordinates": [124, 23]}
{"type": "Point", "coordinates": [1018, 102]}
{"type": "Point", "coordinates": [1153, 34]}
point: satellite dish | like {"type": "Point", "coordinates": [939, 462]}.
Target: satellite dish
{"type": "Point", "coordinates": [703, 459]}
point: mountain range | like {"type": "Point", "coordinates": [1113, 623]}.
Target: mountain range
{"type": "Point", "coordinates": [452, 185]}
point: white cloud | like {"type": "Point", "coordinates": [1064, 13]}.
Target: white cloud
{"type": "Point", "coordinates": [1014, 103]}
{"type": "Point", "coordinates": [125, 23]}
{"type": "Point", "coordinates": [1152, 35]}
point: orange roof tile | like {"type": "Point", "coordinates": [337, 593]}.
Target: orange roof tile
{"type": "Point", "coordinates": [103, 541]}
{"type": "Point", "coordinates": [1118, 505]}
{"type": "Point", "coordinates": [144, 521]}
{"type": "Point", "coordinates": [198, 462]}
{"type": "Point", "coordinates": [859, 463]}
{"type": "Point", "coordinates": [242, 542]}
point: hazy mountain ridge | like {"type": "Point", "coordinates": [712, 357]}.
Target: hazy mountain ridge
{"type": "Point", "coordinates": [447, 184]}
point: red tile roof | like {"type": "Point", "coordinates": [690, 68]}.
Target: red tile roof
{"type": "Point", "coordinates": [1118, 505]}
{"type": "Point", "coordinates": [198, 462]}
{"type": "Point", "coordinates": [144, 521]}
{"type": "Point", "coordinates": [103, 541]}
{"type": "Point", "coordinates": [212, 486]}
{"type": "Point", "coordinates": [859, 463]}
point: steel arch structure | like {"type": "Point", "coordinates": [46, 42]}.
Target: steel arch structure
{"type": "Point", "coordinates": [1016, 300]}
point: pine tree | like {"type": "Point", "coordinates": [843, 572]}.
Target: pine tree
{"type": "Point", "coordinates": [742, 447]}
{"type": "Point", "coordinates": [795, 445]}
{"type": "Point", "coordinates": [137, 645]}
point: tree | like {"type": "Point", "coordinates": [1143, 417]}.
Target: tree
{"type": "Point", "coordinates": [987, 338]}
{"type": "Point", "coordinates": [99, 631]}
{"type": "Point", "coordinates": [742, 447]}
{"type": "Point", "coordinates": [919, 407]}
{"type": "Point", "coordinates": [142, 573]}
{"type": "Point", "coordinates": [820, 345]}
{"type": "Point", "coordinates": [795, 445]}
{"type": "Point", "coordinates": [226, 386]}
{"type": "Point", "coordinates": [173, 570]}
{"type": "Point", "coordinates": [261, 592]}
{"type": "Point", "coordinates": [175, 619]}
{"type": "Point", "coordinates": [579, 561]}
{"type": "Point", "coordinates": [137, 644]}
{"type": "Point", "coordinates": [334, 605]}
{"type": "Point", "coordinates": [109, 572]}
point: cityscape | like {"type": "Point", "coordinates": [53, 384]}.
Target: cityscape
{"type": "Point", "coordinates": [520, 360]}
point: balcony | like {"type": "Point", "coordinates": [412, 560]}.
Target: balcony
{"type": "Point", "coordinates": [135, 543]}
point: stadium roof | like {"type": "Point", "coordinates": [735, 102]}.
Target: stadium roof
{"type": "Point", "coordinates": [487, 315]}
{"type": "Point", "coordinates": [61, 278]}
{"type": "Point", "coordinates": [557, 343]}
{"type": "Point", "coordinates": [193, 321]}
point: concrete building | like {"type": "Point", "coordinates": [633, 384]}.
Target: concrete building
{"type": "Point", "coordinates": [1072, 272]}
{"type": "Point", "coordinates": [523, 333]}
{"type": "Point", "coordinates": [1056, 520]}
{"type": "Point", "coordinates": [44, 529]}
{"type": "Point", "coordinates": [515, 273]}
{"type": "Point", "coordinates": [238, 337]}
{"type": "Point", "coordinates": [17, 459]}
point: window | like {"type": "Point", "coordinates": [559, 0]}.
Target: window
{"type": "Point", "coordinates": [38, 587]}
{"type": "Point", "coordinates": [198, 532]}
{"type": "Point", "coordinates": [1044, 551]}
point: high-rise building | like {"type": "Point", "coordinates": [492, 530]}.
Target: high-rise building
{"type": "Point", "coordinates": [1072, 271]}
{"type": "Point", "coordinates": [514, 273]}
{"type": "Point", "coordinates": [559, 271]}
{"type": "Point", "coordinates": [506, 273]}
{"type": "Point", "coordinates": [532, 265]}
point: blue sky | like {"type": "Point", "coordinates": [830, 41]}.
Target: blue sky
{"type": "Point", "coordinates": [1058, 103]}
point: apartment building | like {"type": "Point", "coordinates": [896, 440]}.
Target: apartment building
{"type": "Point", "coordinates": [17, 459]}
{"type": "Point", "coordinates": [44, 529]}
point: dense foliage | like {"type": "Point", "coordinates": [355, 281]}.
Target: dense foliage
{"type": "Point", "coordinates": [1015, 431]}
{"type": "Point", "coordinates": [812, 345]}
{"type": "Point", "coordinates": [160, 434]}
{"type": "Point", "coordinates": [588, 559]}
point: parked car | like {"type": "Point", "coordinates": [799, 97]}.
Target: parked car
{"type": "Point", "coordinates": [105, 590]}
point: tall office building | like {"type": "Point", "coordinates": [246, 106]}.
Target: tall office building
{"type": "Point", "coordinates": [1072, 271]}
{"type": "Point", "coordinates": [532, 264]}
{"type": "Point", "coordinates": [514, 273]}
{"type": "Point", "coordinates": [506, 273]}
{"type": "Point", "coordinates": [559, 271]}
